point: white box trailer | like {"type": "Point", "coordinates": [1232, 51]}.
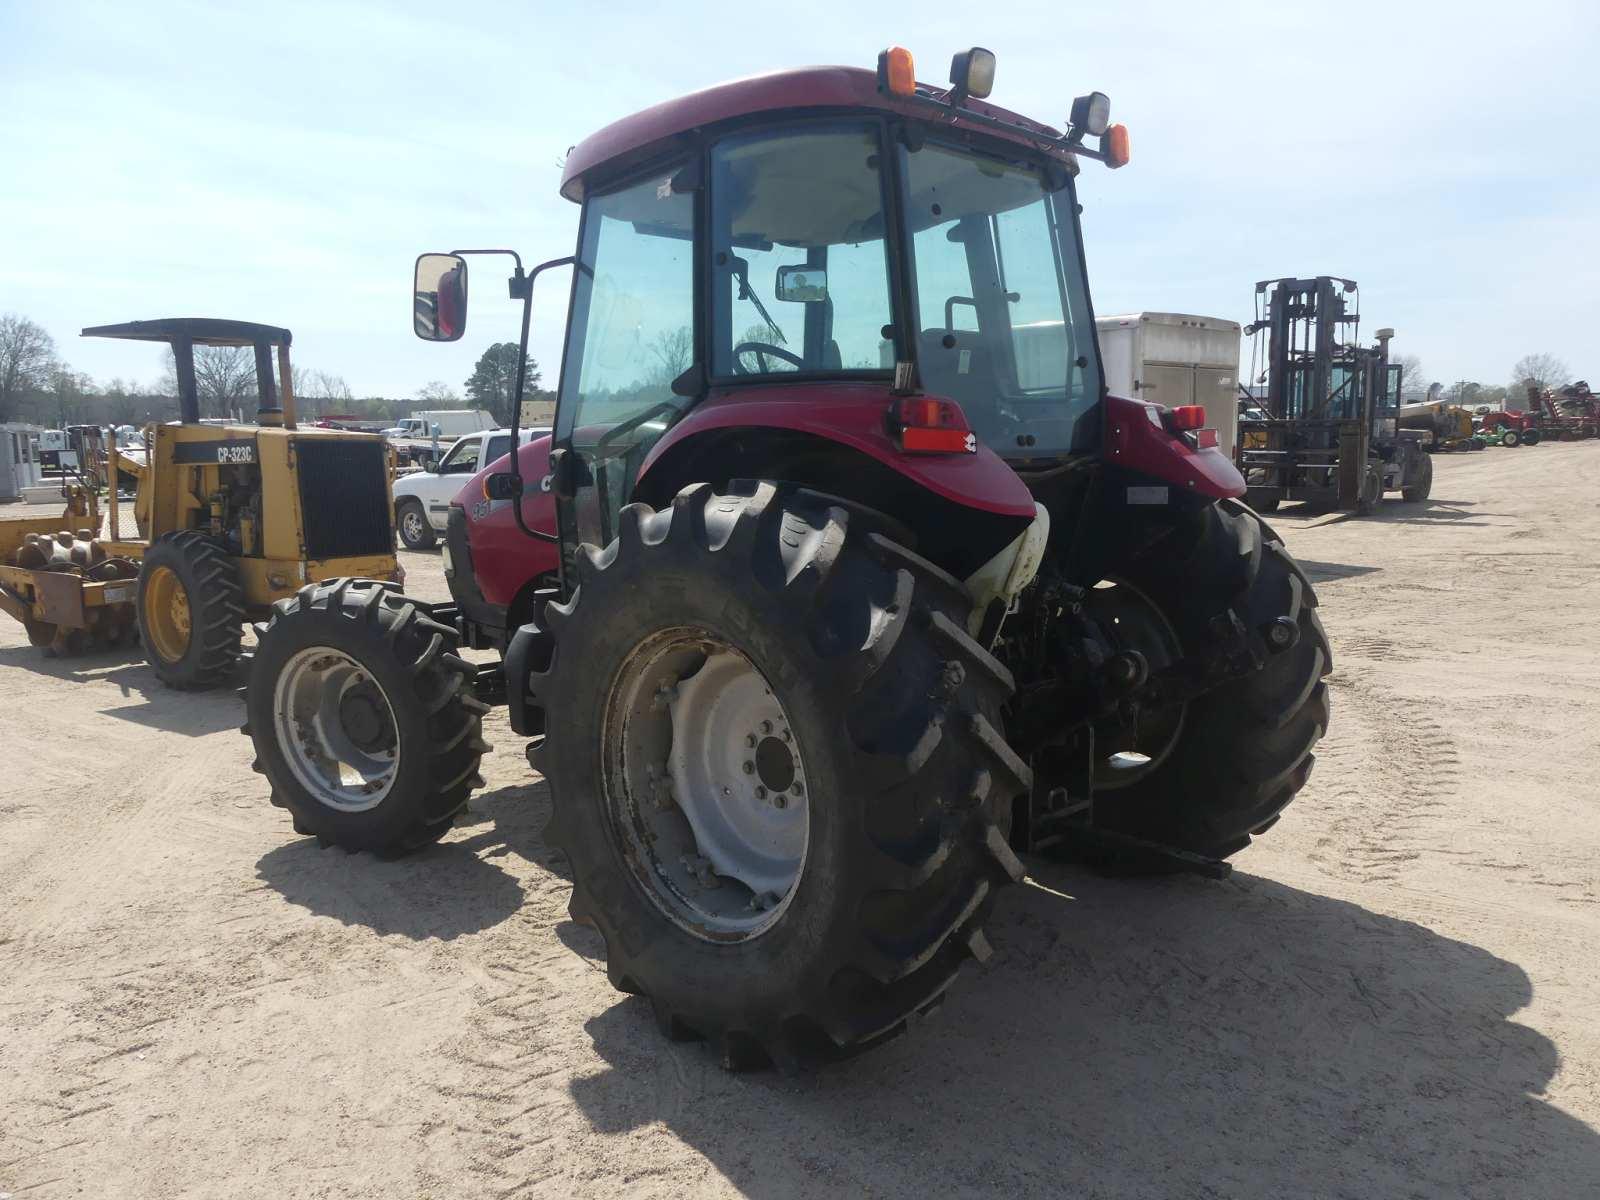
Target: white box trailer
{"type": "Point", "coordinates": [1176, 359]}
{"type": "Point", "coordinates": [19, 460]}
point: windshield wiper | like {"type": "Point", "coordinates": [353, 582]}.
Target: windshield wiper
{"type": "Point", "coordinates": [741, 272]}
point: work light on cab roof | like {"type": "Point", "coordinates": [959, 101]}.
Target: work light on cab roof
{"type": "Point", "coordinates": [972, 77]}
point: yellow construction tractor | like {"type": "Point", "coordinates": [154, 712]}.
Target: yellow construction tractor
{"type": "Point", "coordinates": [228, 518]}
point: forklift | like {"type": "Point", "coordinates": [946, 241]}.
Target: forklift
{"type": "Point", "coordinates": [1331, 436]}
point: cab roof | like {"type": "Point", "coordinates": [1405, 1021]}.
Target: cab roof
{"type": "Point", "coordinates": [656, 130]}
{"type": "Point", "coordinates": [202, 331]}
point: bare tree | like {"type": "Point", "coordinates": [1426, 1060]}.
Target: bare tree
{"type": "Point", "coordinates": [320, 391]}
{"type": "Point", "coordinates": [224, 378]}
{"type": "Point", "coordinates": [673, 351]}
{"type": "Point", "coordinates": [69, 388]}
{"type": "Point", "coordinates": [27, 355]}
{"type": "Point", "coordinates": [1414, 381]}
{"type": "Point", "coordinates": [1540, 371]}
{"type": "Point", "coordinates": [439, 394]}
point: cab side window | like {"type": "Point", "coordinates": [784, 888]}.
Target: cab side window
{"type": "Point", "coordinates": [463, 459]}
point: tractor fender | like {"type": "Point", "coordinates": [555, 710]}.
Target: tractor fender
{"type": "Point", "coordinates": [1138, 441]}
{"type": "Point", "coordinates": [852, 415]}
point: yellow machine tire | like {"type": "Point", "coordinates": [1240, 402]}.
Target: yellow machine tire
{"type": "Point", "coordinates": [191, 610]}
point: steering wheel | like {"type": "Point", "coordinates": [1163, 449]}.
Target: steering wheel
{"type": "Point", "coordinates": [761, 350]}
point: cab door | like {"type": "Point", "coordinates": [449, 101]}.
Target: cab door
{"type": "Point", "coordinates": [631, 334]}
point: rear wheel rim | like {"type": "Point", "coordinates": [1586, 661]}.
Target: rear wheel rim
{"type": "Point", "coordinates": [705, 785]}
{"type": "Point", "coordinates": [337, 729]}
{"type": "Point", "coordinates": [1128, 752]}
{"type": "Point", "coordinates": [166, 608]}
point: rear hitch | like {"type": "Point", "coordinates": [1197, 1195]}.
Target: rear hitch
{"type": "Point", "coordinates": [1125, 855]}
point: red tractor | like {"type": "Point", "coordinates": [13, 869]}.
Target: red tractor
{"type": "Point", "coordinates": [865, 585]}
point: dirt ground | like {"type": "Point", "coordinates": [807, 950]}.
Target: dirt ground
{"type": "Point", "coordinates": [1396, 995]}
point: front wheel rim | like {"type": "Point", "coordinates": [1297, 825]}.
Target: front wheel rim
{"type": "Point", "coordinates": [166, 606]}
{"type": "Point", "coordinates": [336, 729]}
{"type": "Point", "coordinates": [705, 784]}
{"type": "Point", "coordinates": [411, 525]}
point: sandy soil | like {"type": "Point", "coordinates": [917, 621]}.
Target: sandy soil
{"type": "Point", "coordinates": [1396, 995]}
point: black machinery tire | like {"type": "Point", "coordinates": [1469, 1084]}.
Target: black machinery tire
{"type": "Point", "coordinates": [1266, 502]}
{"type": "Point", "coordinates": [1371, 491]}
{"type": "Point", "coordinates": [424, 537]}
{"type": "Point", "coordinates": [1510, 437]}
{"type": "Point", "coordinates": [1244, 750]}
{"type": "Point", "coordinates": [209, 579]}
{"type": "Point", "coordinates": [1424, 484]}
{"type": "Point", "coordinates": [1533, 437]}
{"type": "Point", "coordinates": [896, 712]}
{"type": "Point", "coordinates": [438, 721]}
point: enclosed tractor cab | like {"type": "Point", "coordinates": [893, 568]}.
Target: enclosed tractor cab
{"type": "Point", "coordinates": [866, 586]}
{"type": "Point", "coordinates": [1332, 436]}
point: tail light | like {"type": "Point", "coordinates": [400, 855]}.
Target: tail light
{"type": "Point", "coordinates": [1185, 418]}
{"type": "Point", "coordinates": [928, 425]}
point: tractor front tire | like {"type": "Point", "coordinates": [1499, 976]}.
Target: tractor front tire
{"type": "Point", "coordinates": [1244, 750]}
{"type": "Point", "coordinates": [191, 610]}
{"type": "Point", "coordinates": [1510, 437]}
{"type": "Point", "coordinates": [779, 924]}
{"type": "Point", "coordinates": [363, 717]}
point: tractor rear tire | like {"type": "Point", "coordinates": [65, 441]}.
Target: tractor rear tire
{"type": "Point", "coordinates": [191, 610]}
{"type": "Point", "coordinates": [1244, 750]}
{"type": "Point", "coordinates": [1532, 437]}
{"type": "Point", "coordinates": [894, 712]}
{"type": "Point", "coordinates": [1420, 489]}
{"type": "Point", "coordinates": [363, 717]}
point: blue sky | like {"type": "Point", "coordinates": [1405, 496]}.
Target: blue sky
{"type": "Point", "coordinates": [284, 162]}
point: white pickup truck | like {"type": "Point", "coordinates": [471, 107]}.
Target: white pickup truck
{"type": "Point", "coordinates": [420, 437]}
{"type": "Point", "coordinates": [422, 498]}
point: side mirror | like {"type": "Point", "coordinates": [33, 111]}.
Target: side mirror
{"type": "Point", "coordinates": [802, 285]}
{"type": "Point", "coordinates": [439, 297]}
{"type": "Point", "coordinates": [501, 486]}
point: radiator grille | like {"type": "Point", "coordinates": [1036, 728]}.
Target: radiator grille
{"type": "Point", "coordinates": [344, 497]}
